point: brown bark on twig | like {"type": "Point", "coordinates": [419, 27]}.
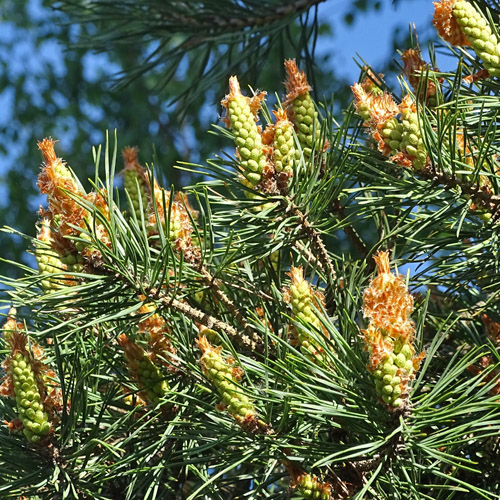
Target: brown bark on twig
{"type": "Point", "coordinates": [481, 195]}
{"type": "Point", "coordinates": [350, 232]}
{"type": "Point", "coordinates": [214, 285]}
{"type": "Point", "coordinates": [314, 237]}
{"type": "Point", "coordinates": [207, 320]}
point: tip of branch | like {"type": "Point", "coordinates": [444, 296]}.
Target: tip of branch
{"type": "Point", "coordinates": [296, 83]}
{"type": "Point", "coordinates": [382, 261]}
{"type": "Point", "coordinates": [129, 155]}
{"type": "Point", "coordinates": [46, 146]}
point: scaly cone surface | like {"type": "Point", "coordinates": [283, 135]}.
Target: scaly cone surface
{"type": "Point", "coordinates": [26, 381]}
{"type": "Point", "coordinates": [241, 117]}
{"type": "Point", "coordinates": [57, 182]}
{"type": "Point", "coordinates": [180, 227]}
{"type": "Point", "coordinates": [284, 153]}
{"type": "Point", "coordinates": [49, 260]}
{"type": "Point", "coordinates": [155, 202]}
{"type": "Point", "coordinates": [390, 335]}
{"type": "Point", "coordinates": [152, 383]}
{"type": "Point", "coordinates": [303, 300]}
{"type": "Point", "coordinates": [307, 485]}
{"type": "Point", "coordinates": [310, 488]}
{"type": "Point", "coordinates": [69, 217]}
{"type": "Point", "coordinates": [301, 110]}
{"type": "Point", "coordinates": [226, 377]}
{"type": "Point", "coordinates": [461, 24]}
{"type": "Point", "coordinates": [285, 156]}
{"type": "Point", "coordinates": [157, 335]}
{"type": "Point", "coordinates": [412, 150]}
{"type": "Point", "coordinates": [399, 139]}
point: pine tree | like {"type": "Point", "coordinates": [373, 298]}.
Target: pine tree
{"type": "Point", "coordinates": [213, 342]}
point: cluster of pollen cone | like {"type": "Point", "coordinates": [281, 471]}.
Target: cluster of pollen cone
{"type": "Point", "coordinates": [390, 336]}
{"type": "Point", "coordinates": [396, 127]}
{"type": "Point", "coordinates": [268, 158]}
{"type": "Point", "coordinates": [64, 242]}
{"type": "Point", "coordinates": [31, 382]}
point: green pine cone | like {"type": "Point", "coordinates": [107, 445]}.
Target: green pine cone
{"type": "Point", "coordinates": [306, 121]}
{"type": "Point", "coordinates": [152, 384]}
{"type": "Point", "coordinates": [50, 262]}
{"type": "Point", "coordinates": [411, 140]}
{"type": "Point", "coordinates": [310, 488]}
{"type": "Point", "coordinates": [28, 399]}
{"type": "Point", "coordinates": [479, 34]}
{"type": "Point", "coordinates": [392, 132]}
{"type": "Point", "coordinates": [302, 302]}
{"type": "Point", "coordinates": [175, 228]}
{"type": "Point", "coordinates": [285, 152]}
{"type": "Point", "coordinates": [151, 379]}
{"type": "Point", "coordinates": [364, 112]}
{"type": "Point", "coordinates": [247, 138]}
{"type": "Point", "coordinates": [302, 299]}
{"type": "Point", "coordinates": [134, 184]}
{"type": "Point", "coordinates": [391, 371]}
{"type": "Point", "coordinates": [221, 374]}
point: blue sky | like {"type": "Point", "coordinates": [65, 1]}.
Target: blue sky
{"type": "Point", "coordinates": [370, 36]}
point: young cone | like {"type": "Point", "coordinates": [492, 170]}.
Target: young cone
{"type": "Point", "coordinates": [310, 488]}
{"type": "Point", "coordinates": [241, 118]}
{"type": "Point", "coordinates": [26, 381]}
{"type": "Point", "coordinates": [57, 182]}
{"type": "Point", "coordinates": [412, 151]}
{"type": "Point", "coordinates": [461, 24]}
{"type": "Point", "coordinates": [400, 140]}
{"type": "Point", "coordinates": [157, 333]}
{"type": "Point", "coordinates": [303, 299]}
{"type": "Point", "coordinates": [390, 335]}
{"type": "Point", "coordinates": [180, 228]}
{"type": "Point", "coordinates": [152, 383]}
{"type": "Point", "coordinates": [301, 109]}
{"type": "Point", "coordinates": [49, 260]}
{"type": "Point", "coordinates": [70, 217]}
{"type": "Point", "coordinates": [285, 153]}
{"type": "Point", "coordinates": [225, 376]}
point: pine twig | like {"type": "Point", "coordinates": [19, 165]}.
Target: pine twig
{"type": "Point", "coordinates": [350, 232]}
{"type": "Point", "coordinates": [206, 320]}
{"type": "Point", "coordinates": [310, 257]}
{"type": "Point", "coordinates": [322, 258]}
{"type": "Point", "coordinates": [314, 237]}
{"type": "Point", "coordinates": [484, 197]}
{"type": "Point", "coordinates": [214, 285]}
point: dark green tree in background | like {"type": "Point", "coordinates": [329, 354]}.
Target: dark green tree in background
{"type": "Point", "coordinates": [307, 308]}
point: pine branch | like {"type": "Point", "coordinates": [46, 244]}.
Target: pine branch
{"type": "Point", "coordinates": [484, 197]}
{"type": "Point", "coordinates": [315, 238]}
{"type": "Point", "coordinates": [310, 257]}
{"type": "Point", "coordinates": [252, 342]}
{"type": "Point", "coordinates": [213, 23]}
{"type": "Point", "coordinates": [214, 285]}
{"type": "Point", "coordinates": [216, 36]}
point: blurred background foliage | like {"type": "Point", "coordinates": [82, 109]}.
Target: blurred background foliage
{"type": "Point", "coordinates": [73, 69]}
